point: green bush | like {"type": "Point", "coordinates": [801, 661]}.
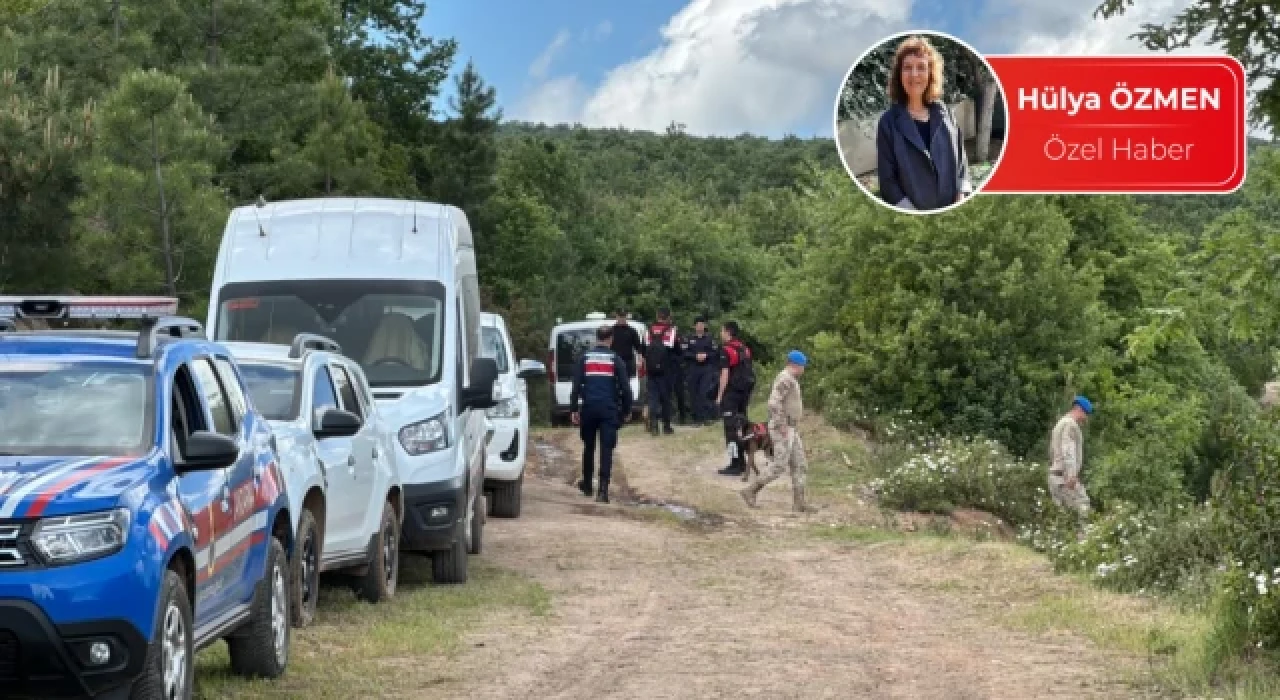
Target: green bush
{"type": "Point", "coordinates": [1163, 551]}
{"type": "Point", "coordinates": [943, 474]}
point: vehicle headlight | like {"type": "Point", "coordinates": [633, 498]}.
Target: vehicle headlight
{"type": "Point", "coordinates": [425, 436]}
{"type": "Point", "coordinates": [77, 538]}
{"type": "Point", "coordinates": [506, 408]}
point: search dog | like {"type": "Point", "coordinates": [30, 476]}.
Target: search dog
{"type": "Point", "coordinates": [755, 439]}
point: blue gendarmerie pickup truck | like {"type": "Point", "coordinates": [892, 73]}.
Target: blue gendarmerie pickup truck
{"type": "Point", "coordinates": [142, 512]}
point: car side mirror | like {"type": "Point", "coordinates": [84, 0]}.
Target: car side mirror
{"type": "Point", "coordinates": [335, 422]}
{"type": "Point", "coordinates": [484, 375]}
{"type": "Point", "coordinates": [530, 369]}
{"type": "Point", "coordinates": [206, 451]}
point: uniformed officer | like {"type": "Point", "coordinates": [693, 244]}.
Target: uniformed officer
{"type": "Point", "coordinates": [1066, 458]}
{"type": "Point", "coordinates": [600, 381]}
{"type": "Point", "coordinates": [737, 381]}
{"type": "Point", "coordinates": [680, 380]}
{"type": "Point", "coordinates": [785, 410]}
{"type": "Point", "coordinates": [701, 359]}
{"type": "Point", "coordinates": [660, 356]}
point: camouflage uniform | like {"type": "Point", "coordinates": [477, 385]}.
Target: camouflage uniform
{"type": "Point", "coordinates": [1066, 455]}
{"type": "Point", "coordinates": [785, 410]}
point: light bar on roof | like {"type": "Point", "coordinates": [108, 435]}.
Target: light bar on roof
{"type": "Point", "coordinates": [105, 308]}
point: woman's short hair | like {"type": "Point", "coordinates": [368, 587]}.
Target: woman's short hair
{"type": "Point", "coordinates": [916, 46]}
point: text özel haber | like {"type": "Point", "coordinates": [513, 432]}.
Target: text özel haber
{"type": "Point", "coordinates": [1122, 149]}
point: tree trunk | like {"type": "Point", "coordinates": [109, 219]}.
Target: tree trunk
{"type": "Point", "coordinates": [166, 238]}
{"type": "Point", "coordinates": [213, 34]}
{"type": "Point", "coordinates": [986, 113]}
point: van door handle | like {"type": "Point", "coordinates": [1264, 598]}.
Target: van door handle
{"type": "Point", "coordinates": [375, 451]}
{"type": "Point", "coordinates": [226, 498]}
{"type": "Point", "coordinates": [351, 464]}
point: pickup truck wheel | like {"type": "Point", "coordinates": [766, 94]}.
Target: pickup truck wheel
{"type": "Point", "coordinates": [260, 649]}
{"type": "Point", "coordinates": [450, 565]}
{"type": "Point", "coordinates": [305, 574]}
{"type": "Point", "coordinates": [506, 498]}
{"type": "Point", "coordinates": [169, 670]}
{"type": "Point", "coordinates": [379, 582]}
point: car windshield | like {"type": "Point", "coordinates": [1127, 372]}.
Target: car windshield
{"type": "Point", "coordinates": [55, 406]}
{"type": "Point", "coordinates": [570, 344]}
{"type": "Point", "coordinates": [273, 388]}
{"type": "Point", "coordinates": [393, 328]}
{"type": "Point", "coordinates": [492, 345]}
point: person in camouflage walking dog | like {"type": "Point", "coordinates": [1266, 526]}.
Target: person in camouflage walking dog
{"type": "Point", "coordinates": [785, 410]}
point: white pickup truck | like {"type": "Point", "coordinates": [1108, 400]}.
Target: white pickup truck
{"type": "Point", "coordinates": [338, 464]}
{"type": "Point", "coordinates": [568, 342]}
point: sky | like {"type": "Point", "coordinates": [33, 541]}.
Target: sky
{"type": "Point", "coordinates": [726, 67]}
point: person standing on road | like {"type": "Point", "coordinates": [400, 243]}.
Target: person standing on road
{"type": "Point", "coordinates": [785, 410]}
{"type": "Point", "coordinates": [1066, 458]}
{"type": "Point", "coordinates": [659, 362]}
{"type": "Point", "coordinates": [626, 341]}
{"type": "Point", "coordinates": [701, 360]}
{"type": "Point", "coordinates": [600, 383]}
{"type": "Point", "coordinates": [737, 380]}
{"type": "Point", "coordinates": [680, 381]}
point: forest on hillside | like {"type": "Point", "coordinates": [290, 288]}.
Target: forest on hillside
{"type": "Point", "coordinates": [129, 128]}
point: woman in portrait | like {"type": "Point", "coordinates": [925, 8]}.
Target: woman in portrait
{"type": "Point", "coordinates": [920, 157]}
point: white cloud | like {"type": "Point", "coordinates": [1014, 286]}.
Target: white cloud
{"type": "Point", "coordinates": [554, 101]}
{"type": "Point", "coordinates": [1057, 27]}
{"type": "Point", "coordinates": [542, 64]}
{"type": "Point", "coordinates": [729, 66]}
{"type": "Point", "coordinates": [600, 32]}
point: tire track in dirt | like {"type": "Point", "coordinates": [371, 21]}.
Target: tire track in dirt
{"type": "Point", "coordinates": [642, 609]}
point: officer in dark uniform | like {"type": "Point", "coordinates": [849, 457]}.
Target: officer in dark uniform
{"type": "Point", "coordinates": [600, 381]}
{"type": "Point", "coordinates": [701, 357]}
{"type": "Point", "coordinates": [661, 354]}
{"type": "Point", "coordinates": [737, 380]}
{"type": "Point", "coordinates": [680, 381]}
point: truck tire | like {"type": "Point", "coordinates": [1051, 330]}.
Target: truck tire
{"type": "Point", "coordinates": [173, 642]}
{"type": "Point", "coordinates": [507, 497]}
{"type": "Point", "coordinates": [260, 649]}
{"type": "Point", "coordinates": [305, 572]}
{"type": "Point", "coordinates": [379, 581]}
{"type": "Point", "coordinates": [450, 565]}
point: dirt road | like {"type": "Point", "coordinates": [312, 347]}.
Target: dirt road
{"type": "Point", "coordinates": [735, 603]}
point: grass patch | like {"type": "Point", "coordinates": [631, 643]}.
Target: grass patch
{"type": "Point", "coordinates": [355, 649]}
{"type": "Point", "coordinates": [857, 534]}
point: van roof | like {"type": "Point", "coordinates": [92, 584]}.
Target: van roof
{"type": "Point", "coordinates": [342, 238]}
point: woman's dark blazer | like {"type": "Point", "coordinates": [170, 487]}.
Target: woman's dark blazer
{"type": "Point", "coordinates": [916, 175]}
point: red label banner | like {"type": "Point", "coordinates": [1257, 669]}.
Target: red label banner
{"type": "Point", "coordinates": [1121, 124]}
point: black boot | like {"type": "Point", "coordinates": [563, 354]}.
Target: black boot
{"type": "Point", "coordinates": [668, 430]}
{"type": "Point", "coordinates": [585, 487]}
{"type": "Point", "coordinates": [602, 496]}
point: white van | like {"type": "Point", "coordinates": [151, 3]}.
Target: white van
{"type": "Point", "coordinates": [393, 282]}
{"type": "Point", "coordinates": [568, 342]}
{"type": "Point", "coordinates": [504, 467]}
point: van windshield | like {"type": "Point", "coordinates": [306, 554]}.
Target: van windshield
{"type": "Point", "coordinates": [393, 328]}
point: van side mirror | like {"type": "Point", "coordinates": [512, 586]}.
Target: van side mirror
{"type": "Point", "coordinates": [206, 451]}
{"type": "Point", "coordinates": [335, 422]}
{"type": "Point", "coordinates": [484, 374]}
{"type": "Point", "coordinates": [530, 369]}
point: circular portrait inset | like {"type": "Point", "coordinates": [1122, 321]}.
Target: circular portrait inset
{"type": "Point", "coordinates": [920, 121]}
